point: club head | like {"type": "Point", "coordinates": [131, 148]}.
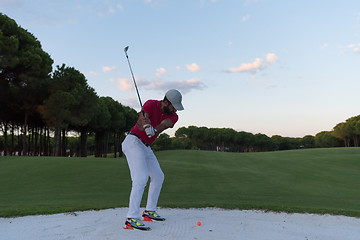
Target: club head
{"type": "Point", "coordinates": [126, 48]}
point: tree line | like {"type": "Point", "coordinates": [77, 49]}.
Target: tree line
{"type": "Point", "coordinates": [39, 107]}
{"type": "Point", "coordinates": [349, 131]}
{"type": "Point", "coordinates": [344, 134]}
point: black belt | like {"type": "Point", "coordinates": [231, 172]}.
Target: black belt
{"type": "Point", "coordinates": [134, 134]}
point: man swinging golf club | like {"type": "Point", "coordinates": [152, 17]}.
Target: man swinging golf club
{"type": "Point", "coordinates": [155, 117]}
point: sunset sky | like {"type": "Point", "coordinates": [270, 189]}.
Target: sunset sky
{"type": "Point", "coordinates": [277, 67]}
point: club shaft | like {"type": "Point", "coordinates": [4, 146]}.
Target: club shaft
{"type": "Point", "coordinates": [137, 91]}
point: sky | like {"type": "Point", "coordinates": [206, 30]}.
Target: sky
{"type": "Point", "coordinates": [276, 67]}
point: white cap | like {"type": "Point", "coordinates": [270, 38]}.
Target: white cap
{"type": "Point", "coordinates": [174, 96]}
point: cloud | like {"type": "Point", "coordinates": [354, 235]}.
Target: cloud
{"type": "Point", "coordinates": [257, 65]}
{"type": "Point", "coordinates": [124, 84]}
{"type": "Point", "coordinates": [271, 86]}
{"type": "Point", "coordinates": [193, 67]}
{"type": "Point", "coordinates": [111, 10]}
{"type": "Point", "coordinates": [119, 7]}
{"type": "Point", "coordinates": [271, 58]}
{"type": "Point", "coordinates": [108, 9]}
{"type": "Point", "coordinates": [245, 18]}
{"type": "Point", "coordinates": [183, 86]}
{"type": "Point", "coordinates": [160, 72]}
{"type": "Point", "coordinates": [107, 69]}
{"type": "Point", "coordinates": [91, 74]}
{"type": "Point", "coordinates": [325, 45]}
{"type": "Point", "coordinates": [248, 67]}
{"type": "Point", "coordinates": [354, 47]}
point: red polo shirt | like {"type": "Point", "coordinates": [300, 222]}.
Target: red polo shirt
{"type": "Point", "coordinates": [153, 108]}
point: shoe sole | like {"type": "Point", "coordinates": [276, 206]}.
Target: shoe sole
{"type": "Point", "coordinates": [147, 219]}
{"type": "Point", "coordinates": [139, 229]}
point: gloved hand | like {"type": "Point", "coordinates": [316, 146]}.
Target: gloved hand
{"type": "Point", "coordinates": [150, 130]}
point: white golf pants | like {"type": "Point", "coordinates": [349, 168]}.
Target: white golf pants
{"type": "Point", "coordinates": [142, 164]}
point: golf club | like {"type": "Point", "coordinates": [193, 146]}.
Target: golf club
{"type": "Point", "coordinates": [132, 74]}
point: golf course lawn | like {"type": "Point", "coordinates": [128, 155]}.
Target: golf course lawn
{"type": "Point", "coordinates": [308, 180]}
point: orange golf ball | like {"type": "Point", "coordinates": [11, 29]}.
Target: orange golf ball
{"type": "Point", "coordinates": [199, 223]}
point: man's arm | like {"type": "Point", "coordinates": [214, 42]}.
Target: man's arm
{"type": "Point", "coordinates": [165, 124]}
{"type": "Point", "coordinates": [151, 131]}
{"type": "Point", "coordinates": [143, 120]}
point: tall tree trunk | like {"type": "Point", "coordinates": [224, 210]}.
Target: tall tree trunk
{"type": "Point", "coordinates": [24, 145]}
{"type": "Point", "coordinates": [115, 144]}
{"type": "Point", "coordinates": [98, 137]}
{"type": "Point", "coordinates": [12, 147]}
{"type": "Point", "coordinates": [28, 150]}
{"type": "Point", "coordinates": [356, 140]}
{"type": "Point", "coordinates": [32, 145]}
{"type": "Point", "coordinates": [20, 140]}
{"type": "Point", "coordinates": [105, 144]}
{"type": "Point", "coordinates": [12, 139]}
{"type": "Point", "coordinates": [5, 139]}
{"type": "Point", "coordinates": [40, 148]}
{"type": "Point", "coordinates": [48, 142]}
{"type": "Point", "coordinates": [121, 139]}
{"type": "Point", "coordinates": [35, 149]}
{"type": "Point", "coordinates": [57, 142]}
{"type": "Point", "coordinates": [45, 145]}
{"type": "Point", "coordinates": [83, 144]}
{"type": "Point", "coordinates": [63, 143]}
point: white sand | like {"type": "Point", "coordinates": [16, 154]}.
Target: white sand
{"type": "Point", "coordinates": [182, 224]}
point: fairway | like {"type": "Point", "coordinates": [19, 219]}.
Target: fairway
{"type": "Point", "coordinates": [309, 180]}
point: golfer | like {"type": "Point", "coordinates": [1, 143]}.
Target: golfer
{"type": "Point", "coordinates": [158, 115]}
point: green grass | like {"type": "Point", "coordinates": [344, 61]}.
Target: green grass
{"type": "Point", "coordinates": [311, 180]}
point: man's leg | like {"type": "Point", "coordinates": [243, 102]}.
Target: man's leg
{"type": "Point", "coordinates": [157, 179]}
{"type": "Point", "coordinates": [134, 151]}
